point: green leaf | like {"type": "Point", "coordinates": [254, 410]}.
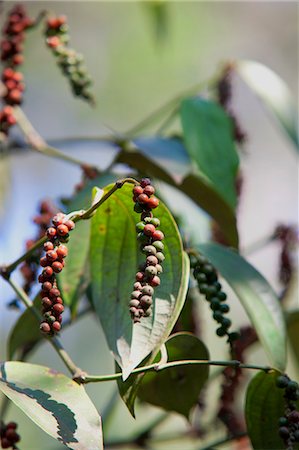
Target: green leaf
{"type": "Point", "coordinates": [274, 93]}
{"type": "Point", "coordinates": [209, 141]}
{"type": "Point", "coordinates": [25, 334]}
{"type": "Point", "coordinates": [57, 404]}
{"type": "Point", "coordinates": [75, 277]}
{"type": "Point", "coordinates": [292, 320]}
{"type": "Point", "coordinates": [114, 259]}
{"type": "Point", "coordinates": [264, 406]}
{"type": "Point", "coordinates": [196, 186]}
{"type": "Point", "coordinates": [177, 388]}
{"type": "Point", "coordinates": [158, 10]}
{"type": "Point", "coordinates": [257, 297]}
{"type": "Point", "coordinates": [128, 389]}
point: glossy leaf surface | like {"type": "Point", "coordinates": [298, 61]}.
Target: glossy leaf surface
{"type": "Point", "coordinates": [57, 404]}
{"type": "Point", "coordinates": [257, 297]}
{"type": "Point", "coordinates": [114, 261]}
{"type": "Point", "coordinates": [264, 406]}
{"type": "Point", "coordinates": [177, 388]}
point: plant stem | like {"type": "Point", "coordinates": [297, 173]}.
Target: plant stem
{"type": "Point", "coordinates": [38, 143]}
{"type": "Point", "coordinates": [158, 367]}
{"type": "Point", "coordinates": [154, 116]}
{"type": "Point", "coordinates": [167, 122]}
{"type": "Point", "coordinates": [5, 271]}
{"type": "Point", "coordinates": [54, 341]}
{"type": "Point", "coordinates": [119, 184]}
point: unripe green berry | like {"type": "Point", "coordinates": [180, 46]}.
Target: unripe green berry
{"type": "Point", "coordinates": [160, 256]}
{"type": "Point", "coordinates": [203, 287]}
{"type": "Point", "coordinates": [201, 277]}
{"type": "Point", "coordinates": [208, 268]}
{"type": "Point", "coordinates": [147, 290]}
{"type": "Point", "coordinates": [224, 308]}
{"type": "Point", "coordinates": [233, 336]}
{"type": "Point", "coordinates": [283, 421]}
{"type": "Point", "coordinates": [217, 316]}
{"type": "Point", "coordinates": [226, 323]}
{"type": "Point", "coordinates": [149, 250]}
{"type": "Point", "coordinates": [134, 303]}
{"type": "Point", "coordinates": [140, 226]}
{"type": "Point", "coordinates": [158, 245]}
{"type": "Point", "coordinates": [151, 270]}
{"type": "Point", "coordinates": [282, 381]}
{"type": "Point", "coordinates": [146, 301]}
{"type": "Point", "coordinates": [201, 259]}
{"type": "Point", "coordinates": [222, 296]}
{"type": "Point", "coordinates": [155, 221]}
{"type": "Point", "coordinates": [159, 269]}
{"type": "Point", "coordinates": [215, 304]}
{"type": "Point", "coordinates": [221, 331]}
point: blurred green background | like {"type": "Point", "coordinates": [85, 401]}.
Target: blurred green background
{"type": "Point", "coordinates": [134, 72]}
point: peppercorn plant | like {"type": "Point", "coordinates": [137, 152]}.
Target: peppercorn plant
{"type": "Point", "coordinates": [129, 262]}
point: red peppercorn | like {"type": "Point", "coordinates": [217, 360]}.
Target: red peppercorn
{"type": "Point", "coordinates": [149, 190]}
{"type": "Point", "coordinates": [51, 232]}
{"type": "Point", "coordinates": [62, 251]}
{"type": "Point", "coordinates": [56, 326]}
{"type": "Point", "coordinates": [47, 286]}
{"type": "Point", "coordinates": [58, 308]}
{"type": "Point", "coordinates": [137, 190]}
{"type": "Point", "coordinates": [46, 302]}
{"type": "Point", "coordinates": [43, 261]}
{"type": "Point", "coordinates": [57, 266]}
{"type": "Point", "coordinates": [149, 229]}
{"type": "Point", "coordinates": [51, 255]}
{"type": "Point", "coordinates": [139, 276]}
{"type": "Point", "coordinates": [45, 327]}
{"type": "Point", "coordinates": [59, 300]}
{"type": "Point", "coordinates": [70, 224]}
{"type": "Point", "coordinates": [48, 271]}
{"type": "Point", "coordinates": [158, 235]}
{"type": "Point", "coordinates": [145, 182]}
{"type": "Point", "coordinates": [54, 292]}
{"type": "Point", "coordinates": [152, 203]}
{"type": "Point", "coordinates": [48, 246]}
{"type": "Point", "coordinates": [58, 219]}
{"type": "Point", "coordinates": [62, 230]}
{"type": "Point", "coordinates": [11, 425]}
{"type": "Point", "coordinates": [142, 199]}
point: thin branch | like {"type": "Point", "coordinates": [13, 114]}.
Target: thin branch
{"type": "Point", "coordinates": [54, 341]}
{"type": "Point", "coordinates": [158, 367]}
{"type": "Point", "coordinates": [157, 113]}
{"type": "Point", "coordinates": [5, 271]}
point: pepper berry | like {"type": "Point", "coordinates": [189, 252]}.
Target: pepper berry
{"type": "Point", "coordinates": [70, 62]}
{"type": "Point", "coordinates": [289, 424]}
{"type": "Point", "coordinates": [150, 239]}
{"type": "Point", "coordinates": [8, 435]}
{"type": "Point", "coordinates": [11, 48]}
{"type": "Point", "coordinates": [208, 284]}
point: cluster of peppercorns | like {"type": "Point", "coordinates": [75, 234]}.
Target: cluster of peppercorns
{"type": "Point", "coordinates": [11, 54]}
{"type": "Point", "coordinates": [31, 263]}
{"type": "Point", "coordinates": [231, 383]}
{"type": "Point", "coordinates": [70, 62]}
{"type": "Point", "coordinates": [8, 435]}
{"type": "Point", "coordinates": [209, 286]}
{"type": "Point", "coordinates": [53, 263]}
{"type": "Point", "coordinates": [224, 92]}
{"type": "Point", "coordinates": [289, 423]}
{"type": "Point", "coordinates": [288, 237]}
{"type": "Point", "coordinates": [151, 244]}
